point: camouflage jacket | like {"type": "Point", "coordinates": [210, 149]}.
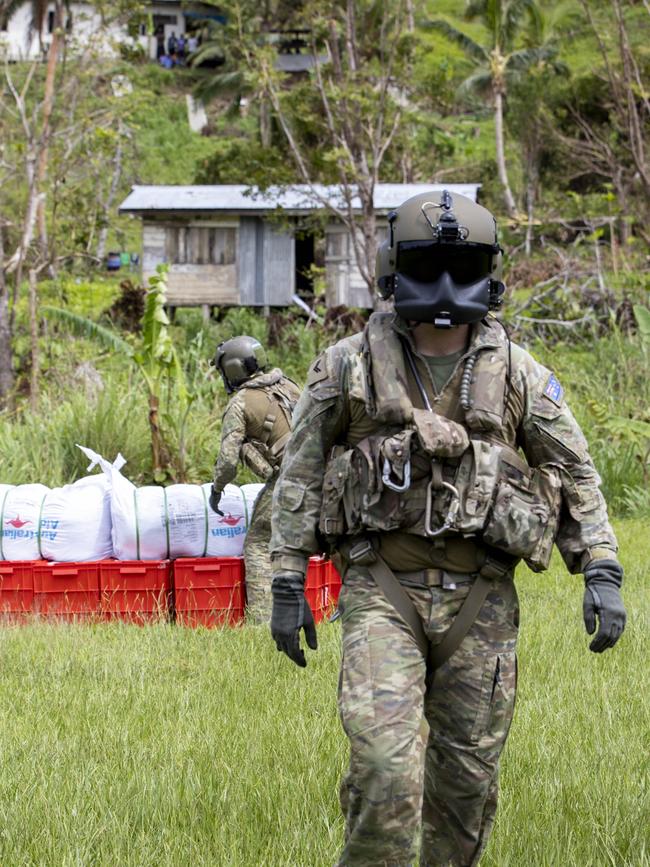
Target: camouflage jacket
{"type": "Point", "coordinates": [255, 426]}
{"type": "Point", "coordinates": [513, 400]}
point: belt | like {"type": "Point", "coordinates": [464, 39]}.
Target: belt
{"type": "Point", "coordinates": [434, 578]}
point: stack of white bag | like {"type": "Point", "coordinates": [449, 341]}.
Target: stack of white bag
{"type": "Point", "coordinates": [156, 523]}
{"type": "Point", "coordinates": [68, 524]}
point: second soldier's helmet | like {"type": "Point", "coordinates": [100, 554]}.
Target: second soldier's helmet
{"type": "Point", "coordinates": [442, 261]}
{"type": "Point", "coordinates": [238, 359]}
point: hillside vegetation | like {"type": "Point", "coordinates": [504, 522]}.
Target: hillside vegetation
{"type": "Point", "coordinates": [575, 113]}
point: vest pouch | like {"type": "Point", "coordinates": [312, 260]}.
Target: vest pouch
{"type": "Point", "coordinates": [332, 521]}
{"type": "Point", "coordinates": [439, 436]}
{"type": "Point", "coordinates": [477, 479]}
{"type": "Point", "coordinates": [369, 503]}
{"type": "Point", "coordinates": [253, 458]}
{"type": "Point", "coordinates": [549, 487]}
{"type": "Point", "coordinates": [524, 515]}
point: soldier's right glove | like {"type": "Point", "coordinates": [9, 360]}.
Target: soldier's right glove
{"type": "Point", "coordinates": [603, 579]}
{"type": "Point", "coordinates": [215, 496]}
{"type": "Point", "coordinates": [290, 614]}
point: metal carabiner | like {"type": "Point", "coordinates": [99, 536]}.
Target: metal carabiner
{"type": "Point", "coordinates": [454, 505]}
{"type": "Point", "coordinates": [386, 477]}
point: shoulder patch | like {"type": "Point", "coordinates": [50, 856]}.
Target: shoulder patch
{"type": "Point", "coordinates": [553, 390]}
{"type": "Point", "coordinates": [317, 372]}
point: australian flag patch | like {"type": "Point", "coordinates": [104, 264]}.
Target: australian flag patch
{"type": "Point", "coordinates": [553, 390]}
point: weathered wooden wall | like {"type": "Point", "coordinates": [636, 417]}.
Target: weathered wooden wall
{"type": "Point", "coordinates": [344, 283]}
{"type": "Point", "coordinates": [247, 262]}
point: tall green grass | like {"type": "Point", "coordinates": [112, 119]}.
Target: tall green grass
{"type": "Point", "coordinates": [610, 373]}
{"type": "Point", "coordinates": [161, 745]}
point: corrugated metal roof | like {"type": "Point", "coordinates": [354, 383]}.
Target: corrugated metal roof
{"type": "Point", "coordinates": [298, 198]}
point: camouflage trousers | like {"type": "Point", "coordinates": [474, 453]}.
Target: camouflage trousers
{"type": "Point", "coordinates": [423, 756]}
{"type": "Point", "coordinates": [258, 560]}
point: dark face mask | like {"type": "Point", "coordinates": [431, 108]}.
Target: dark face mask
{"type": "Point", "coordinates": [443, 285]}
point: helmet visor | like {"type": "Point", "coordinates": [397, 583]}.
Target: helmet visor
{"type": "Point", "coordinates": [426, 261]}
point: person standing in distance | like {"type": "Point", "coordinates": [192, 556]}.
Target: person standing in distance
{"type": "Point", "coordinates": [255, 429]}
{"type": "Point", "coordinates": [432, 454]}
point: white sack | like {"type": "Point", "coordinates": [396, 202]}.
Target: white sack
{"type": "Point", "coordinates": [251, 492]}
{"type": "Point", "coordinates": [228, 531]}
{"type": "Point", "coordinates": [76, 521]}
{"type": "Point", "coordinates": [155, 523]}
{"type": "Point", "coordinates": [20, 512]}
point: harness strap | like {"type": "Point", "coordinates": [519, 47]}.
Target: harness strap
{"type": "Point", "coordinates": [362, 553]}
{"type": "Point", "coordinates": [462, 623]}
{"type": "Point", "coordinates": [267, 426]}
{"type": "Point", "coordinates": [278, 446]}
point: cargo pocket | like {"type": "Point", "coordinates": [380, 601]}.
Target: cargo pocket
{"type": "Point", "coordinates": [290, 496]}
{"type": "Point", "coordinates": [495, 711]}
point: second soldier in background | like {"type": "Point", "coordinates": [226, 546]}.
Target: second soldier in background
{"type": "Point", "coordinates": [255, 429]}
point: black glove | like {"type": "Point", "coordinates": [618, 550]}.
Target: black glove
{"type": "Point", "coordinates": [603, 579]}
{"type": "Point", "coordinates": [215, 496]}
{"type": "Point", "coordinates": [291, 613]}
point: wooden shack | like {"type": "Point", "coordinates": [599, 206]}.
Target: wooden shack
{"type": "Point", "coordinates": [231, 245]}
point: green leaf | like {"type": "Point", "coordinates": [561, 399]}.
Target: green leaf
{"type": "Point", "coordinates": [84, 327]}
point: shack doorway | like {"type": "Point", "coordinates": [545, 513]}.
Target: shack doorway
{"type": "Point", "coordinates": [305, 258]}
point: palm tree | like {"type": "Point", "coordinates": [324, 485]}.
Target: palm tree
{"type": "Point", "coordinates": [497, 61]}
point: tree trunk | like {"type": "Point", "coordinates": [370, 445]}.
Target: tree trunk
{"type": "Point", "coordinates": [108, 204]}
{"type": "Point", "coordinates": [265, 121]}
{"type": "Point", "coordinates": [509, 199]}
{"type": "Point", "coordinates": [6, 367]}
{"type": "Point", "coordinates": [532, 178]}
{"type": "Point", "coordinates": [33, 334]}
{"type": "Point", "coordinates": [48, 105]}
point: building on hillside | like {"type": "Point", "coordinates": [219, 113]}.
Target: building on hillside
{"type": "Point", "coordinates": [231, 245]}
{"type": "Point", "coordinates": [83, 22]}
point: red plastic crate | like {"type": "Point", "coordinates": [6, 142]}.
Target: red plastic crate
{"type": "Point", "coordinates": [138, 591]}
{"type": "Point", "coordinates": [209, 591]}
{"type": "Point", "coordinates": [335, 583]}
{"type": "Point", "coordinates": [16, 588]}
{"type": "Point", "coordinates": [66, 590]}
{"type": "Point", "coordinates": [318, 591]}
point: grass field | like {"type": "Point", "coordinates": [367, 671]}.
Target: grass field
{"type": "Point", "coordinates": [123, 745]}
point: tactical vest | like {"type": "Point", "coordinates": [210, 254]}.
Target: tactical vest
{"type": "Point", "coordinates": [428, 475]}
{"type": "Point", "coordinates": [275, 396]}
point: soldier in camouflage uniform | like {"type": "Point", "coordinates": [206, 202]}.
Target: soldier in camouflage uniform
{"type": "Point", "coordinates": [255, 429]}
{"type": "Point", "coordinates": [432, 454]}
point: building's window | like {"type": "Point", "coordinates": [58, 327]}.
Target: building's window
{"type": "Point", "coordinates": [4, 22]}
{"type": "Point", "coordinates": [194, 245]}
{"type": "Point", "coordinates": [50, 21]}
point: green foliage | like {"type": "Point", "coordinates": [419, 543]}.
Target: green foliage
{"type": "Point", "coordinates": [609, 392]}
{"type": "Point", "coordinates": [238, 160]}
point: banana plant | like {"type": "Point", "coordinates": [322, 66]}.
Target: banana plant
{"type": "Point", "coordinates": [157, 361]}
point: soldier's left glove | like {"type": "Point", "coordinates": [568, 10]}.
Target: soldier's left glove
{"type": "Point", "coordinates": [603, 579]}
{"type": "Point", "coordinates": [290, 614]}
{"type": "Point", "coordinates": [215, 496]}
